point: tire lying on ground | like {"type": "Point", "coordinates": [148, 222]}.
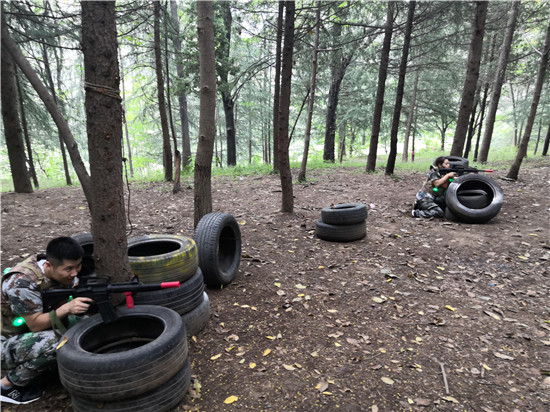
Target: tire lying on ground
{"type": "Point", "coordinates": [135, 354]}
{"type": "Point", "coordinates": [161, 399]}
{"type": "Point", "coordinates": [182, 300]}
{"type": "Point", "coordinates": [218, 239]}
{"type": "Point", "coordinates": [344, 214]}
{"type": "Point", "coordinates": [340, 233]}
{"type": "Point", "coordinates": [162, 258]}
{"type": "Point", "coordinates": [466, 183]}
{"type": "Point", "coordinates": [86, 241]}
{"type": "Point", "coordinates": [197, 319]}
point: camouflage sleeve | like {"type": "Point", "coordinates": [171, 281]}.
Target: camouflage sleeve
{"type": "Point", "coordinates": [23, 294]}
{"type": "Point", "coordinates": [433, 175]}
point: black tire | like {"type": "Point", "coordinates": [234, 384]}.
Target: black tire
{"type": "Point", "coordinates": [197, 319]}
{"type": "Point", "coordinates": [449, 215]}
{"type": "Point", "coordinates": [474, 182]}
{"type": "Point", "coordinates": [456, 161]}
{"type": "Point", "coordinates": [182, 300]}
{"type": "Point", "coordinates": [135, 354]}
{"type": "Point", "coordinates": [474, 198]}
{"type": "Point", "coordinates": [340, 233]}
{"type": "Point", "coordinates": [163, 398]}
{"type": "Point", "coordinates": [163, 258]}
{"type": "Point", "coordinates": [344, 214]}
{"type": "Point", "coordinates": [88, 264]}
{"type": "Point", "coordinates": [218, 238]}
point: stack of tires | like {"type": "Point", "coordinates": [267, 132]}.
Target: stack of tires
{"type": "Point", "coordinates": [345, 222]}
{"type": "Point", "coordinates": [139, 362]}
{"type": "Point", "coordinates": [170, 258]}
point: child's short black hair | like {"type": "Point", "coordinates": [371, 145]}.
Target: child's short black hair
{"type": "Point", "coordinates": [438, 161]}
{"type": "Point", "coordinates": [63, 248]}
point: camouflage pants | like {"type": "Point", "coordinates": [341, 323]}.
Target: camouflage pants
{"type": "Point", "coordinates": [27, 356]}
{"type": "Point", "coordinates": [428, 206]}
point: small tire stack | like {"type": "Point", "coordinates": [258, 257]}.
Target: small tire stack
{"type": "Point", "coordinates": [138, 362]}
{"type": "Point", "coordinates": [171, 258]}
{"type": "Point", "coordinates": [345, 222]}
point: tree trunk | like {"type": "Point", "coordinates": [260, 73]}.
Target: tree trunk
{"type": "Point", "coordinates": [522, 151]}
{"type": "Point", "coordinates": [284, 110]}
{"type": "Point", "coordinates": [313, 83]}
{"type": "Point", "coordinates": [277, 91]}
{"type": "Point", "coordinates": [127, 134]}
{"type": "Point", "coordinates": [182, 96]}
{"type": "Point", "coordinates": [54, 111]}
{"type": "Point", "coordinates": [12, 125]}
{"type": "Point", "coordinates": [499, 80]}
{"type": "Point", "coordinates": [30, 159]}
{"type": "Point", "coordinates": [207, 120]}
{"type": "Point", "coordinates": [379, 102]}
{"type": "Point", "coordinates": [228, 110]}
{"type": "Point", "coordinates": [546, 143]}
{"type": "Point", "coordinates": [104, 128]}
{"type": "Point", "coordinates": [538, 135]}
{"type": "Point", "coordinates": [410, 118]}
{"type": "Point", "coordinates": [472, 75]}
{"type": "Point", "coordinates": [390, 165]}
{"type": "Point", "coordinates": [166, 149]}
{"type": "Point", "coordinates": [474, 117]}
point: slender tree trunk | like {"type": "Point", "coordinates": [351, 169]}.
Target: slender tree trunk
{"type": "Point", "coordinates": [207, 120]}
{"type": "Point", "coordinates": [499, 80]}
{"type": "Point", "coordinates": [410, 118]}
{"type": "Point", "coordinates": [514, 113]}
{"type": "Point", "coordinates": [390, 165]}
{"type": "Point", "coordinates": [379, 102]}
{"type": "Point", "coordinates": [182, 96]}
{"type": "Point", "coordinates": [284, 110]}
{"type": "Point", "coordinates": [514, 170]}
{"type": "Point", "coordinates": [472, 75]}
{"type": "Point", "coordinates": [30, 159]}
{"type": "Point", "coordinates": [474, 117]}
{"type": "Point", "coordinates": [546, 143]}
{"type": "Point", "coordinates": [104, 128]}
{"type": "Point", "coordinates": [313, 84]}
{"type": "Point", "coordinates": [231, 138]}
{"type": "Point", "coordinates": [538, 133]}
{"type": "Point", "coordinates": [277, 91]}
{"type": "Point", "coordinates": [166, 149]}
{"type": "Point", "coordinates": [124, 120]}
{"type": "Point", "coordinates": [12, 125]}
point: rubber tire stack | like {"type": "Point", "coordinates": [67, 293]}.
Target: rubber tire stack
{"type": "Point", "coordinates": [169, 258]}
{"type": "Point", "coordinates": [473, 198]}
{"type": "Point", "coordinates": [345, 222]}
{"type": "Point", "coordinates": [139, 362]}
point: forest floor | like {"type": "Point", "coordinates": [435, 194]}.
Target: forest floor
{"type": "Point", "coordinates": [419, 315]}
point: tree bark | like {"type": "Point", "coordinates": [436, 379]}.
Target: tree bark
{"type": "Point", "coordinates": [103, 107]}
{"type": "Point", "coordinates": [277, 90]}
{"type": "Point", "coordinates": [410, 118]}
{"type": "Point", "coordinates": [166, 149]}
{"type": "Point", "coordinates": [546, 143]}
{"type": "Point", "coordinates": [313, 84]}
{"type": "Point", "coordinates": [12, 125]}
{"type": "Point", "coordinates": [54, 111]}
{"type": "Point", "coordinates": [379, 102]}
{"type": "Point", "coordinates": [207, 121]}
{"type": "Point", "coordinates": [284, 110]}
{"type": "Point", "coordinates": [390, 165]}
{"type": "Point", "coordinates": [182, 96]}
{"type": "Point", "coordinates": [522, 151]}
{"type": "Point", "coordinates": [497, 85]}
{"type": "Point", "coordinates": [472, 75]}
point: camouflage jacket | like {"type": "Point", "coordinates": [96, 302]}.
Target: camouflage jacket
{"type": "Point", "coordinates": [22, 289]}
{"type": "Point", "coordinates": [429, 188]}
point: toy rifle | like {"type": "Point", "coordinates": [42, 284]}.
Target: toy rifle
{"type": "Point", "coordinates": [462, 170]}
{"type": "Point", "coordinates": [99, 289]}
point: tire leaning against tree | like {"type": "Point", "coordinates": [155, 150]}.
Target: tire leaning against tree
{"type": "Point", "coordinates": [344, 214]}
{"type": "Point", "coordinates": [340, 233]}
{"type": "Point", "coordinates": [162, 258]}
{"type": "Point", "coordinates": [218, 239]}
{"type": "Point", "coordinates": [477, 182]}
{"type": "Point", "coordinates": [138, 352]}
{"type": "Point", "coordinates": [161, 399]}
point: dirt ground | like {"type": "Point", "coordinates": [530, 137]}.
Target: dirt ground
{"type": "Point", "coordinates": [419, 315]}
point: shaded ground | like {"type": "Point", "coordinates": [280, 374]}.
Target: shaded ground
{"type": "Point", "coordinates": [313, 325]}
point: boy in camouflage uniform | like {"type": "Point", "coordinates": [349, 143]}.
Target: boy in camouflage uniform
{"type": "Point", "coordinates": [430, 200]}
{"type": "Point", "coordinates": [28, 341]}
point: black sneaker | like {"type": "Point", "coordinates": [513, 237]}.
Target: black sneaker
{"type": "Point", "coordinates": [21, 395]}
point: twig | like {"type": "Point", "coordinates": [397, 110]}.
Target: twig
{"type": "Point", "coordinates": [444, 377]}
